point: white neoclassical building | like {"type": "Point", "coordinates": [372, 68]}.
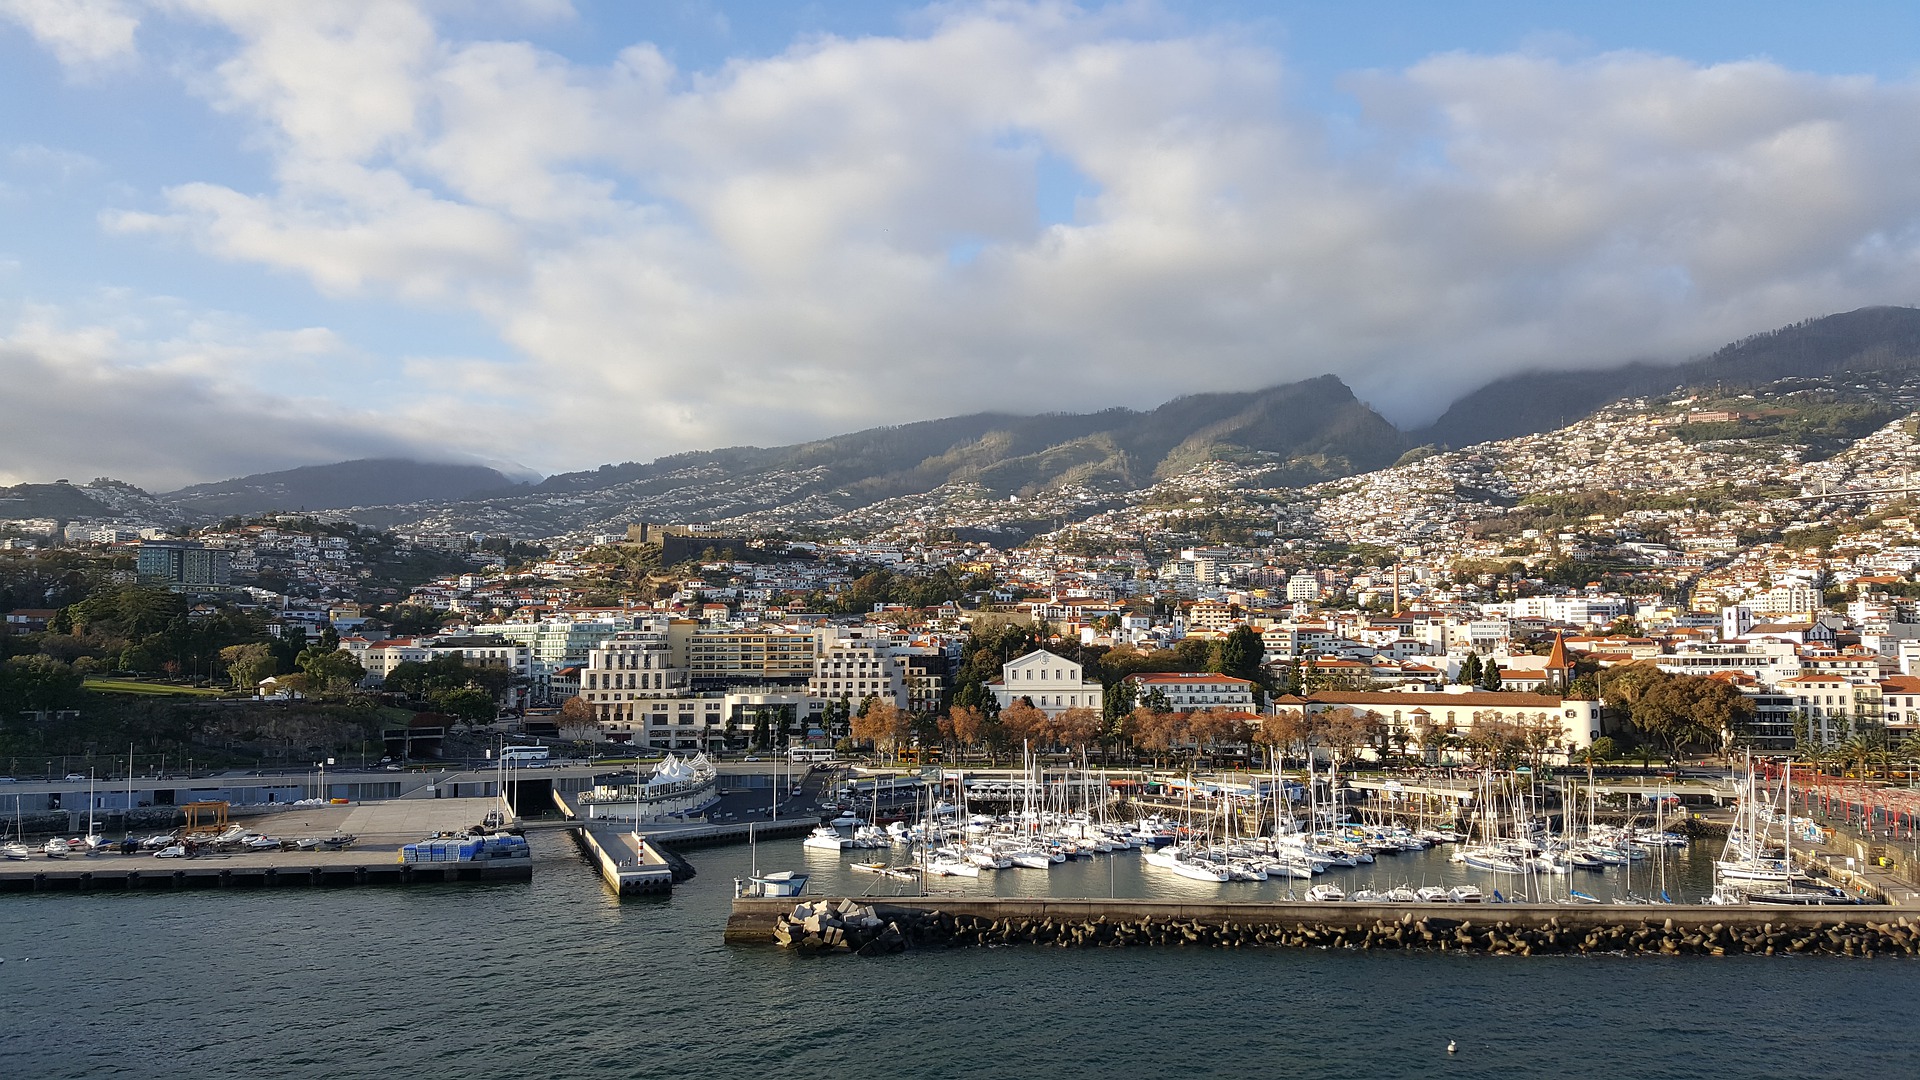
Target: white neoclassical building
{"type": "Point", "coordinates": [1053, 683]}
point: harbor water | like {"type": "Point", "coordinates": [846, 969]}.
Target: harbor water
{"type": "Point", "coordinates": [560, 978]}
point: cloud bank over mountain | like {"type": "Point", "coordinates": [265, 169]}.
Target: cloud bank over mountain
{"type": "Point", "coordinates": [1010, 206]}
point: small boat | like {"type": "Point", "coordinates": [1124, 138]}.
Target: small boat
{"type": "Point", "coordinates": [1326, 893]}
{"type": "Point", "coordinates": [1365, 896]}
{"type": "Point", "coordinates": [1465, 894]}
{"type": "Point", "coordinates": [777, 884]}
{"type": "Point", "coordinates": [307, 843]}
{"type": "Point", "coordinates": [56, 848]}
{"type": "Point", "coordinates": [1403, 894]}
{"type": "Point", "coordinates": [1434, 894]}
{"type": "Point", "coordinates": [880, 869]}
{"type": "Point", "coordinates": [14, 849]}
{"type": "Point", "coordinates": [338, 841]}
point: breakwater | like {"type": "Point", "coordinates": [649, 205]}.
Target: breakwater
{"type": "Point", "coordinates": [850, 926]}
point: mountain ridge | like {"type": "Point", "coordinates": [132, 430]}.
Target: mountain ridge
{"type": "Point", "coordinates": [1301, 433]}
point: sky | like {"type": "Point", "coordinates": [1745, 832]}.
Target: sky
{"type": "Point", "coordinates": [238, 236]}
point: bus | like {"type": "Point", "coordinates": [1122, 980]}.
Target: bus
{"type": "Point", "coordinates": [798, 754]}
{"type": "Point", "coordinates": [525, 757]}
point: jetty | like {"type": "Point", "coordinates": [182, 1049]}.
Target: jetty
{"type": "Point", "coordinates": [852, 925]}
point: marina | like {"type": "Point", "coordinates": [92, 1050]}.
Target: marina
{"type": "Point", "coordinates": [378, 954]}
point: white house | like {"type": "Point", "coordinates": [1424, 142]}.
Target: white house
{"type": "Point", "coordinates": [1193, 691]}
{"type": "Point", "coordinates": [1053, 683]}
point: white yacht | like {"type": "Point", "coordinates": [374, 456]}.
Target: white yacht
{"type": "Point", "coordinates": [57, 848]}
{"type": "Point", "coordinates": [947, 862]}
{"type": "Point", "coordinates": [1175, 860]}
{"type": "Point", "coordinates": [1326, 893]}
{"type": "Point", "coordinates": [825, 838]}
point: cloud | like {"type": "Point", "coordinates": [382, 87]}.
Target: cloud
{"type": "Point", "coordinates": [85, 399]}
{"type": "Point", "coordinates": [763, 252]}
{"type": "Point", "coordinates": [83, 36]}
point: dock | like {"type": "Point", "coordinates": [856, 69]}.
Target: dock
{"type": "Point", "coordinates": [630, 864]}
{"type": "Point", "coordinates": [381, 830]}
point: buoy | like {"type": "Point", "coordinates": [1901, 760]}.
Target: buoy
{"type": "Point", "coordinates": [1451, 1047]}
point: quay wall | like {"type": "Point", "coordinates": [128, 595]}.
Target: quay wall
{"type": "Point", "coordinates": [1522, 929]}
{"type": "Point", "coordinates": [46, 878]}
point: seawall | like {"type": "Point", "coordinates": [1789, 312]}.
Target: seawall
{"type": "Point", "coordinates": [1524, 929]}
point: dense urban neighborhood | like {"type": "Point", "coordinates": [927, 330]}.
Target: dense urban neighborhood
{"type": "Point", "coordinates": [1682, 574]}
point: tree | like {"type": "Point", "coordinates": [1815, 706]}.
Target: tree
{"type": "Point", "coordinates": [577, 712]}
{"type": "Point", "coordinates": [1024, 723]}
{"type": "Point", "coordinates": [248, 664]}
{"type": "Point", "coordinates": [1239, 654]}
{"type": "Point", "coordinates": [1079, 728]}
{"type": "Point", "coordinates": [968, 725]}
{"type": "Point", "coordinates": [469, 703]}
{"type": "Point", "coordinates": [1678, 712]}
{"type": "Point", "coordinates": [1154, 730]}
{"type": "Point", "coordinates": [330, 672]}
{"type": "Point", "coordinates": [32, 683]}
{"type": "Point", "coordinates": [1490, 675]}
{"type": "Point", "coordinates": [1469, 670]}
{"type": "Point", "coordinates": [881, 723]}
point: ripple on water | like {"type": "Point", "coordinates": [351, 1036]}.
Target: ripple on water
{"type": "Point", "coordinates": [556, 978]}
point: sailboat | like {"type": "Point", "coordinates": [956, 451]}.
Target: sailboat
{"type": "Point", "coordinates": [93, 842]}
{"type": "Point", "coordinates": [15, 848]}
{"type": "Point", "coordinates": [776, 884]}
{"type": "Point", "coordinates": [1752, 871]}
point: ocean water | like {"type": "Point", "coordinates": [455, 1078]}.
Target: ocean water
{"type": "Point", "coordinates": [559, 978]}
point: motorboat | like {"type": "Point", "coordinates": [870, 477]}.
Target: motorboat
{"type": "Point", "coordinates": [1403, 894]}
{"type": "Point", "coordinates": [1434, 894]}
{"type": "Point", "coordinates": [1488, 859]}
{"type": "Point", "coordinates": [987, 859]}
{"type": "Point", "coordinates": [1326, 893]}
{"type": "Point", "coordinates": [1465, 894]}
{"type": "Point", "coordinates": [56, 848]}
{"type": "Point", "coordinates": [947, 862]}
{"type": "Point", "coordinates": [14, 849]}
{"type": "Point", "coordinates": [1029, 858]}
{"type": "Point", "coordinates": [825, 838]}
{"type": "Point", "coordinates": [1178, 861]}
